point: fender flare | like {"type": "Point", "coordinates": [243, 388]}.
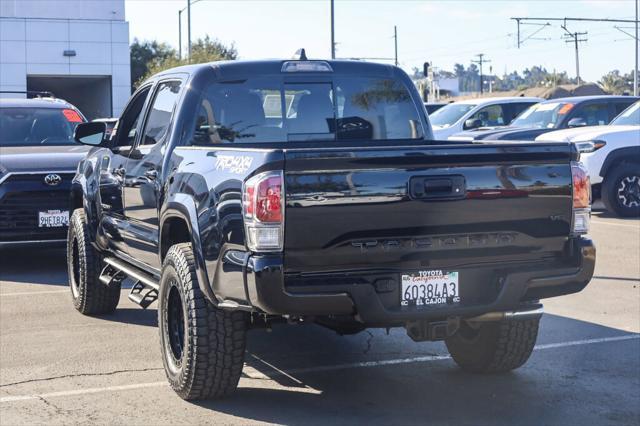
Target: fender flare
{"type": "Point", "coordinates": [630, 154]}
{"type": "Point", "coordinates": [85, 188]}
{"type": "Point", "coordinates": [183, 206]}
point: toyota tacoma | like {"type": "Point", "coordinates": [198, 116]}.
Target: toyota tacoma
{"type": "Point", "coordinates": [242, 193]}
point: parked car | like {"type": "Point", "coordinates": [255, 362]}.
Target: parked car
{"type": "Point", "coordinates": [474, 113]}
{"type": "Point", "coordinates": [38, 159]}
{"type": "Point", "coordinates": [611, 154]}
{"type": "Point", "coordinates": [432, 107]}
{"type": "Point", "coordinates": [340, 211]}
{"type": "Point", "coordinates": [554, 114]}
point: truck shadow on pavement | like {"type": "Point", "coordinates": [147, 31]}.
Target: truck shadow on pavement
{"type": "Point", "coordinates": [133, 316]}
{"type": "Point", "coordinates": [310, 375]}
{"type": "Point", "coordinates": [34, 266]}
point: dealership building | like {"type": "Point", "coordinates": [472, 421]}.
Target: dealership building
{"type": "Point", "coordinates": [76, 49]}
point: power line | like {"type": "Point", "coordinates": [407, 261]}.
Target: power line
{"type": "Point", "coordinates": [574, 36]}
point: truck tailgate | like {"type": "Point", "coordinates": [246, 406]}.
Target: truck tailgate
{"type": "Point", "coordinates": [425, 207]}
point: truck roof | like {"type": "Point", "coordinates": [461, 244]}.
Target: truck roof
{"type": "Point", "coordinates": [578, 99]}
{"type": "Point", "coordinates": [500, 99]}
{"type": "Point", "coordinates": [274, 66]}
{"type": "Point", "coordinates": [53, 103]}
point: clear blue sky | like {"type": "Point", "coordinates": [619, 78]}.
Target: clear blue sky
{"type": "Point", "coordinates": [441, 32]}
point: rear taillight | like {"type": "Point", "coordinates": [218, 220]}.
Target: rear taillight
{"type": "Point", "coordinates": [263, 211]}
{"type": "Point", "coordinates": [581, 199]}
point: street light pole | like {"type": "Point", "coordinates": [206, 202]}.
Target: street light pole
{"type": "Point", "coordinates": [180, 34]}
{"type": "Point", "coordinates": [635, 71]}
{"type": "Point", "coordinates": [189, 29]}
{"type": "Point", "coordinates": [395, 36]}
{"type": "Point", "coordinates": [333, 37]}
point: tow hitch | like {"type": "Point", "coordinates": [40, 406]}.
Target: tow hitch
{"type": "Point", "coordinates": [422, 331]}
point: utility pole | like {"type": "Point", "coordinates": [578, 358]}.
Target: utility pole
{"type": "Point", "coordinates": [575, 39]}
{"type": "Point", "coordinates": [180, 34]}
{"type": "Point", "coordinates": [635, 71]}
{"type": "Point", "coordinates": [395, 39]}
{"type": "Point", "coordinates": [333, 36]}
{"type": "Point", "coordinates": [189, 29]}
{"type": "Point", "coordinates": [481, 61]}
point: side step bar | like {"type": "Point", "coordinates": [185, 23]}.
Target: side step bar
{"type": "Point", "coordinates": [145, 288]}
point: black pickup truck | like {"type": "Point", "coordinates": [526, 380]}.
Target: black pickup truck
{"type": "Point", "coordinates": [237, 194]}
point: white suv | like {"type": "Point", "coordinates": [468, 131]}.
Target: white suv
{"type": "Point", "coordinates": [474, 113]}
{"type": "Point", "coordinates": [612, 156]}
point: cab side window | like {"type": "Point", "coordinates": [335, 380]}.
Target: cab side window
{"type": "Point", "coordinates": [594, 114]}
{"type": "Point", "coordinates": [491, 115]}
{"type": "Point", "coordinates": [515, 109]}
{"type": "Point", "coordinates": [158, 122]}
{"type": "Point", "coordinates": [125, 132]}
{"type": "Point", "coordinates": [618, 107]}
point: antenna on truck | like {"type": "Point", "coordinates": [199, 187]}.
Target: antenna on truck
{"type": "Point", "coordinates": [300, 55]}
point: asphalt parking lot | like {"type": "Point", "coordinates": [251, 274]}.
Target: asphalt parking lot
{"type": "Point", "coordinates": [59, 367]}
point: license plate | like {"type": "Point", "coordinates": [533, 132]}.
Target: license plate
{"type": "Point", "coordinates": [53, 219]}
{"type": "Point", "coordinates": [429, 288]}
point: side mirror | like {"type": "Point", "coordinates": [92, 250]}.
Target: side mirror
{"type": "Point", "coordinates": [92, 133]}
{"type": "Point", "coordinates": [577, 122]}
{"type": "Point", "coordinates": [472, 123]}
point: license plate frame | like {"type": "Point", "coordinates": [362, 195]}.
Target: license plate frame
{"type": "Point", "coordinates": [53, 219]}
{"type": "Point", "coordinates": [430, 288]}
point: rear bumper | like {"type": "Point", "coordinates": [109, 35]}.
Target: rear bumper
{"type": "Point", "coordinates": [265, 287]}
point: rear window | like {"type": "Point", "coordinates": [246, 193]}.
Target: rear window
{"type": "Point", "coordinates": [37, 126]}
{"type": "Point", "coordinates": [268, 110]}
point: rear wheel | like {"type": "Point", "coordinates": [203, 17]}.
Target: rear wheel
{"type": "Point", "coordinates": [202, 346]}
{"type": "Point", "coordinates": [84, 263]}
{"type": "Point", "coordinates": [493, 347]}
{"type": "Point", "coordinates": [621, 190]}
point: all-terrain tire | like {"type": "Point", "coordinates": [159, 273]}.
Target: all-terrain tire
{"type": "Point", "coordinates": [621, 178]}
{"type": "Point", "coordinates": [90, 296]}
{"type": "Point", "coordinates": [493, 347]}
{"type": "Point", "coordinates": [202, 346]}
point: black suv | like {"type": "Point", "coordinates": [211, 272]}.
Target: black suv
{"type": "Point", "coordinates": [38, 159]}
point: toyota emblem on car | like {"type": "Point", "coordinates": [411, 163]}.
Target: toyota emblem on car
{"type": "Point", "coordinates": [52, 179]}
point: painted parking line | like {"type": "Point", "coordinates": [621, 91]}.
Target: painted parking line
{"type": "Point", "coordinates": [635, 225]}
{"type": "Point", "coordinates": [33, 293]}
{"type": "Point", "coordinates": [288, 373]}
{"type": "Point", "coordinates": [83, 391]}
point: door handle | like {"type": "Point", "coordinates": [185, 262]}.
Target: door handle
{"type": "Point", "coordinates": [151, 174]}
{"type": "Point", "coordinates": [119, 171]}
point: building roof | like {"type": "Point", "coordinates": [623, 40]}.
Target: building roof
{"type": "Point", "coordinates": [561, 91]}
